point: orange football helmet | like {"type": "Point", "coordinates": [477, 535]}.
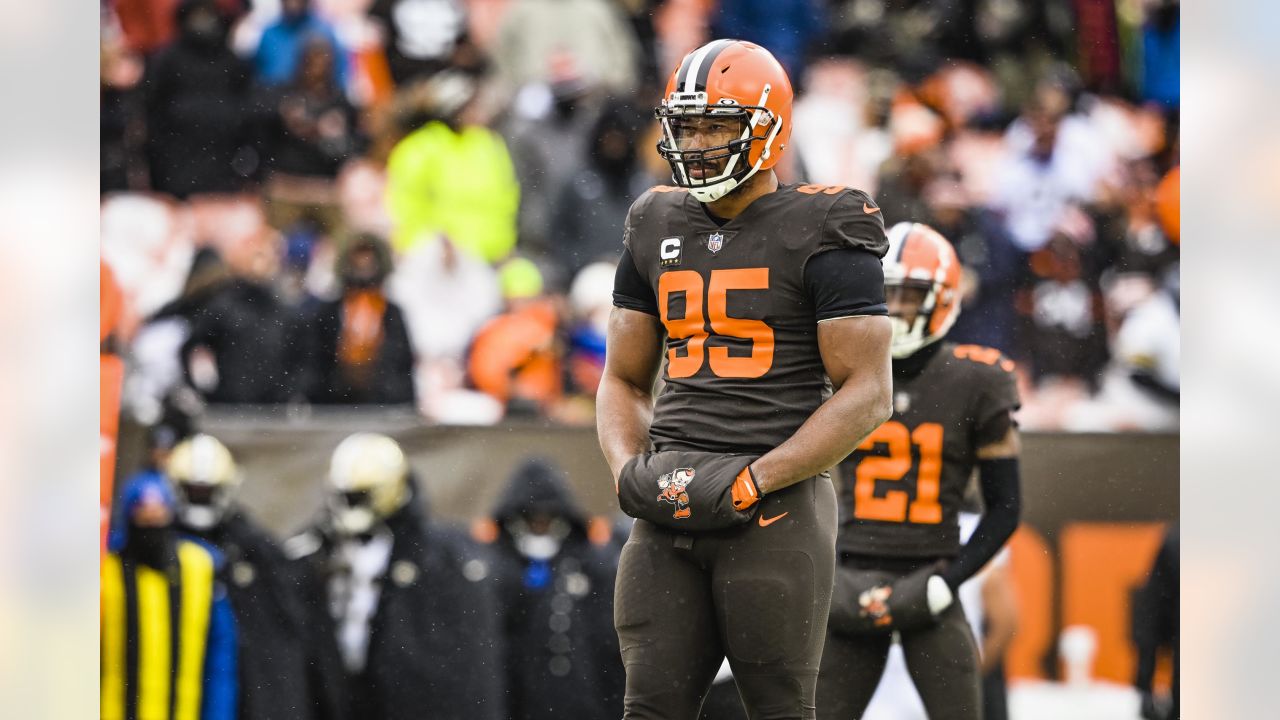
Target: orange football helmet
{"type": "Point", "coordinates": [729, 80]}
{"type": "Point", "coordinates": [920, 257]}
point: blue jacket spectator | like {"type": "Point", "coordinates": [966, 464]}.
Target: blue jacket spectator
{"type": "Point", "coordinates": [161, 659]}
{"type": "Point", "coordinates": [786, 27]}
{"type": "Point", "coordinates": [1160, 59]}
{"type": "Point", "coordinates": [280, 49]}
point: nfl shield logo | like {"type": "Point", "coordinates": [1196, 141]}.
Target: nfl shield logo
{"type": "Point", "coordinates": [715, 241]}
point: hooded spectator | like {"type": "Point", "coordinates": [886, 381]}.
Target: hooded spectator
{"type": "Point", "coordinates": [156, 584]}
{"type": "Point", "coordinates": [280, 50]}
{"type": "Point", "coordinates": [358, 345]}
{"type": "Point", "coordinates": [592, 204]}
{"type": "Point", "coordinates": [197, 94]}
{"type": "Point", "coordinates": [557, 596]}
{"type": "Point", "coordinates": [993, 267]}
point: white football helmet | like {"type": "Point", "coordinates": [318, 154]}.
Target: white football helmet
{"type": "Point", "coordinates": [205, 480]}
{"type": "Point", "coordinates": [368, 481]}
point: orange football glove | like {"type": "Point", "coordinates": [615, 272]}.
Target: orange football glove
{"type": "Point", "coordinates": [745, 490]}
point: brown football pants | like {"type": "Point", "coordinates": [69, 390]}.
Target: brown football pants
{"type": "Point", "coordinates": [942, 660]}
{"type": "Point", "coordinates": [757, 594]}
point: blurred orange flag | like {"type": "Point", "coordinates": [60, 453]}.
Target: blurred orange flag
{"type": "Point", "coordinates": [1168, 193]}
{"type": "Point", "coordinates": [110, 307]}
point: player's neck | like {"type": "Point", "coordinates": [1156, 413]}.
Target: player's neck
{"type": "Point", "coordinates": [732, 205]}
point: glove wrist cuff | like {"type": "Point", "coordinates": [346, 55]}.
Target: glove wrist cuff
{"type": "Point", "coordinates": [745, 490]}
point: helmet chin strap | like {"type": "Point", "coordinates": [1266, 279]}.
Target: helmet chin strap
{"type": "Point", "coordinates": [712, 193]}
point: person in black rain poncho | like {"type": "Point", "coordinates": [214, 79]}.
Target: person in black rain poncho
{"type": "Point", "coordinates": [557, 597]}
{"type": "Point", "coordinates": [274, 681]}
{"type": "Point", "coordinates": [402, 611]}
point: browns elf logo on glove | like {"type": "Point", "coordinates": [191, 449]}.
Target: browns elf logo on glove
{"type": "Point", "coordinates": [723, 496]}
{"type": "Point", "coordinates": [874, 604]}
{"type": "Point", "coordinates": [673, 485]}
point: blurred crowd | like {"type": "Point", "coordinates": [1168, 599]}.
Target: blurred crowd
{"type": "Point", "coordinates": [419, 203]}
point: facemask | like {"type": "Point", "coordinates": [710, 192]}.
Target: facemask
{"type": "Point", "coordinates": [905, 342]}
{"type": "Point", "coordinates": [199, 517]}
{"type": "Point", "coordinates": [538, 547]}
{"type": "Point", "coordinates": [353, 521]}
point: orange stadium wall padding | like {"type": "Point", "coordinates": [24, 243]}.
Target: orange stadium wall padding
{"type": "Point", "coordinates": [1031, 564]}
{"type": "Point", "coordinates": [1102, 565]}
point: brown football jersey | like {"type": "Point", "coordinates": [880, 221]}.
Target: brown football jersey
{"type": "Point", "coordinates": [742, 368]}
{"type": "Point", "coordinates": [901, 490]}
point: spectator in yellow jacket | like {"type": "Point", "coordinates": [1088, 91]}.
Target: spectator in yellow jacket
{"type": "Point", "coordinates": [453, 176]}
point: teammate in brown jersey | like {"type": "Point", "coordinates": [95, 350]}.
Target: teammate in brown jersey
{"type": "Point", "coordinates": [900, 558]}
{"type": "Point", "coordinates": [767, 304]}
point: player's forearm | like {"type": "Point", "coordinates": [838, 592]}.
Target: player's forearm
{"type": "Point", "coordinates": [827, 437]}
{"type": "Point", "coordinates": [1002, 496]}
{"type": "Point", "coordinates": [623, 415]}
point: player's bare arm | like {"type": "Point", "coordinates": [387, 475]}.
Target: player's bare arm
{"type": "Point", "coordinates": [1000, 616]}
{"type": "Point", "coordinates": [855, 353]}
{"type": "Point", "coordinates": [624, 402]}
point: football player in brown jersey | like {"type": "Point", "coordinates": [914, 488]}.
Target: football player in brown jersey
{"type": "Point", "coordinates": [763, 307]}
{"type": "Point", "coordinates": [900, 558]}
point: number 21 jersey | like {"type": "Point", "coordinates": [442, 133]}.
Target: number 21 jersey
{"type": "Point", "coordinates": [901, 489]}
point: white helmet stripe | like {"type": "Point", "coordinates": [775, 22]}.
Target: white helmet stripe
{"type": "Point", "coordinates": [700, 55]}
{"type": "Point", "coordinates": [898, 235]}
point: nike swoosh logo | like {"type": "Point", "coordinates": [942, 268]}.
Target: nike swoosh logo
{"type": "Point", "coordinates": [767, 522]}
{"type": "Point", "coordinates": [868, 209]}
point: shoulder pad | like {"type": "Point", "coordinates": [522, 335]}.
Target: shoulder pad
{"type": "Point", "coordinates": [983, 355]}
{"type": "Point", "coordinates": [851, 219]}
